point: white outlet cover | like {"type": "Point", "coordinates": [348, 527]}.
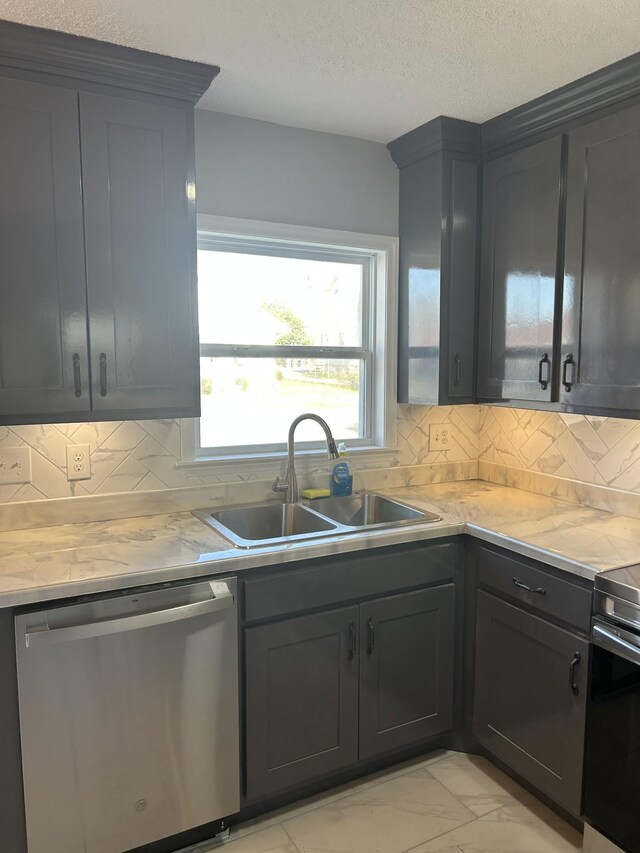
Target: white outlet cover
{"type": "Point", "coordinates": [15, 465]}
{"type": "Point", "coordinates": [441, 437]}
{"type": "Point", "coordinates": [78, 462]}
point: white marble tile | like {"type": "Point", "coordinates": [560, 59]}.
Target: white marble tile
{"type": "Point", "coordinates": [594, 842]}
{"type": "Point", "coordinates": [523, 826]}
{"type": "Point", "coordinates": [94, 434]}
{"type": "Point", "coordinates": [389, 817]}
{"type": "Point", "coordinates": [166, 432]}
{"type": "Point", "coordinates": [273, 839]}
{"type": "Point", "coordinates": [47, 440]}
{"type": "Point", "coordinates": [479, 785]}
{"type": "Point", "coordinates": [47, 478]}
{"type": "Point", "coordinates": [125, 478]}
{"type": "Point", "coordinates": [160, 462]}
{"type": "Point", "coordinates": [621, 455]}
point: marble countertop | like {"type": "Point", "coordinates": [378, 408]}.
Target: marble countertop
{"type": "Point", "coordinates": [55, 562]}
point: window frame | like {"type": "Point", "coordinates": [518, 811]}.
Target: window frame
{"type": "Point", "coordinates": [379, 338]}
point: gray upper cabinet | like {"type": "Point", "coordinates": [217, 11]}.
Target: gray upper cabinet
{"type": "Point", "coordinates": [137, 165]}
{"type": "Point", "coordinates": [98, 311]}
{"type": "Point", "coordinates": [43, 322]}
{"type": "Point", "coordinates": [520, 263]}
{"type": "Point", "coordinates": [439, 183]}
{"type": "Point", "coordinates": [600, 365]}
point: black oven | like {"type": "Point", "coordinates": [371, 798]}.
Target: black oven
{"type": "Point", "coordinates": [612, 757]}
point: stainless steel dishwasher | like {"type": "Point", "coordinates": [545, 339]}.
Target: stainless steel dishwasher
{"type": "Point", "coordinates": [129, 717]}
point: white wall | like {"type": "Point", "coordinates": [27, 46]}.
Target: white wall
{"type": "Point", "coordinates": [257, 170]}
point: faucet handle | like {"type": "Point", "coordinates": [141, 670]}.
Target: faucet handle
{"type": "Point", "coordinates": [280, 485]}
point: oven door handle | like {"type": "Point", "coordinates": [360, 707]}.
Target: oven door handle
{"type": "Point", "coordinates": [617, 645]}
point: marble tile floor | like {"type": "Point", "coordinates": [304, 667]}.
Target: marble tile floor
{"type": "Point", "coordinates": [446, 802]}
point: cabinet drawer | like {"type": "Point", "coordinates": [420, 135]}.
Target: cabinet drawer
{"type": "Point", "coordinates": [516, 579]}
{"type": "Point", "coordinates": [354, 577]}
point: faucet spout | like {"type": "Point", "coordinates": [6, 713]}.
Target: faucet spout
{"type": "Point", "coordinates": [290, 482]}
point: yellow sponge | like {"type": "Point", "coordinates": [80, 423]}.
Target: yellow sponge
{"type": "Point", "coordinates": [315, 493]}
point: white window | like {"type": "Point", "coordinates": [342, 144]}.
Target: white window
{"type": "Point", "coordinates": [292, 320]}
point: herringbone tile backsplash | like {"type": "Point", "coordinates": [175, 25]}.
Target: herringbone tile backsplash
{"type": "Point", "coordinates": [143, 455]}
{"type": "Point", "coordinates": [600, 451]}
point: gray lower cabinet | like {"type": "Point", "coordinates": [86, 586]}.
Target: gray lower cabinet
{"type": "Point", "coordinates": [13, 832]}
{"type": "Point", "coordinates": [602, 259]}
{"type": "Point", "coordinates": [530, 697]}
{"type": "Point", "coordinates": [328, 689]}
{"type": "Point", "coordinates": [43, 313]}
{"type": "Point", "coordinates": [301, 680]}
{"type": "Point", "coordinates": [406, 668]}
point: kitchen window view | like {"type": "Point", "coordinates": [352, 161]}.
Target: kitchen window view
{"type": "Point", "coordinates": [284, 329]}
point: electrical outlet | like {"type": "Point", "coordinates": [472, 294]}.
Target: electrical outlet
{"type": "Point", "coordinates": [78, 462]}
{"type": "Point", "coordinates": [441, 436]}
{"type": "Point", "coordinates": [15, 465]}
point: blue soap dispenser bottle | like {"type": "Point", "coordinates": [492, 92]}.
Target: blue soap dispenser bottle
{"type": "Point", "coordinates": [341, 479]}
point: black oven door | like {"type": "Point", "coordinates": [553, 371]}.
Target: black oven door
{"type": "Point", "coordinates": [612, 759]}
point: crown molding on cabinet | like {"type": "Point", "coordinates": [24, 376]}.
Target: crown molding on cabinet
{"type": "Point", "coordinates": [551, 113]}
{"type": "Point", "coordinates": [569, 104]}
{"type": "Point", "coordinates": [38, 51]}
{"type": "Point", "coordinates": [439, 134]}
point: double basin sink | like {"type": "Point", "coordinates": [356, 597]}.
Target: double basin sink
{"type": "Point", "coordinates": [273, 523]}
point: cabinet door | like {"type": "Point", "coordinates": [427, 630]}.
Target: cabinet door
{"type": "Point", "coordinates": [43, 324]}
{"type": "Point", "coordinates": [301, 699]}
{"type": "Point", "coordinates": [518, 273]}
{"type": "Point", "coordinates": [137, 169]}
{"type": "Point", "coordinates": [530, 697]}
{"type": "Point", "coordinates": [602, 268]}
{"type": "Point", "coordinates": [406, 668]}
{"type": "Point", "coordinates": [459, 271]}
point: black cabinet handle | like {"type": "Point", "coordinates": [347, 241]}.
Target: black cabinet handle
{"type": "Point", "coordinates": [568, 362]}
{"type": "Point", "coordinates": [77, 382]}
{"type": "Point", "coordinates": [544, 383]}
{"type": "Point", "coordinates": [103, 374]}
{"type": "Point", "coordinates": [575, 660]}
{"type": "Point", "coordinates": [537, 589]}
{"type": "Point", "coordinates": [371, 636]}
{"type": "Point", "coordinates": [458, 363]}
{"type": "Point", "coordinates": [352, 641]}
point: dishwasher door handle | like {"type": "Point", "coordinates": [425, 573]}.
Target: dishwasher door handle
{"type": "Point", "coordinates": [222, 599]}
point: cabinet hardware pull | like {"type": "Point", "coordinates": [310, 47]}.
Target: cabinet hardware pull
{"type": "Point", "coordinates": [371, 636]}
{"type": "Point", "coordinates": [77, 382]}
{"type": "Point", "coordinates": [537, 589]}
{"type": "Point", "coordinates": [575, 660]}
{"type": "Point", "coordinates": [458, 363]}
{"type": "Point", "coordinates": [568, 362]}
{"type": "Point", "coordinates": [544, 383]}
{"type": "Point", "coordinates": [352, 641]}
{"type": "Point", "coordinates": [103, 374]}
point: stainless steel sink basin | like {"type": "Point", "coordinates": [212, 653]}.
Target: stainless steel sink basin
{"type": "Point", "coordinates": [259, 525]}
{"type": "Point", "coordinates": [370, 510]}
{"type": "Point", "coordinates": [271, 523]}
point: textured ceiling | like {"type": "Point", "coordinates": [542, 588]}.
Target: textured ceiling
{"type": "Point", "coordinates": [366, 68]}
